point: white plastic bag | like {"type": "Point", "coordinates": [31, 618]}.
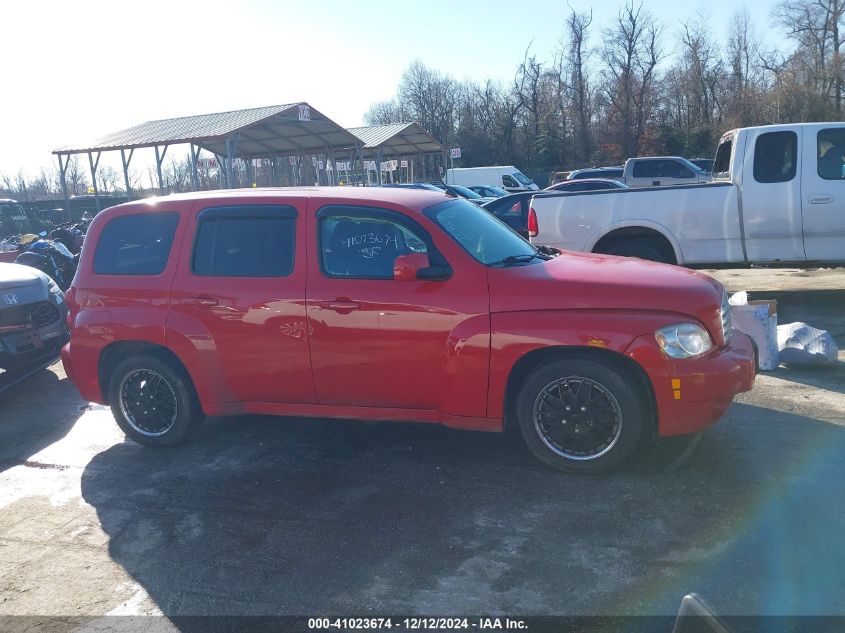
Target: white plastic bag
{"type": "Point", "coordinates": [800, 344]}
{"type": "Point", "coordinates": [759, 320]}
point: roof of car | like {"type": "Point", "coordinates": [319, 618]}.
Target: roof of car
{"type": "Point", "coordinates": [417, 199]}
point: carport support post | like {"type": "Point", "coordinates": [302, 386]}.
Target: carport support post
{"type": "Point", "coordinates": [379, 156]}
{"type": "Point", "coordinates": [94, 166]}
{"type": "Point", "coordinates": [231, 146]}
{"type": "Point", "coordinates": [125, 163]}
{"type": "Point", "coordinates": [63, 177]}
{"type": "Point", "coordinates": [159, 161]}
{"type": "Point", "coordinates": [195, 179]}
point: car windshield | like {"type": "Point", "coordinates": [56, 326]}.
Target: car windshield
{"type": "Point", "coordinates": [488, 240]}
{"type": "Point", "coordinates": [522, 178]}
{"type": "Point", "coordinates": [463, 191]}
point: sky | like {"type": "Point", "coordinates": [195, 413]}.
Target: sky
{"type": "Point", "coordinates": [75, 70]}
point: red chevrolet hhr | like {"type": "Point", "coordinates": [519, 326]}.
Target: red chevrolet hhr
{"type": "Point", "coordinates": [391, 304]}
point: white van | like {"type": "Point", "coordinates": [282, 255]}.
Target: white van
{"type": "Point", "coordinates": [507, 177]}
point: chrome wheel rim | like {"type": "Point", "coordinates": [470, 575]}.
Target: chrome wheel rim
{"type": "Point", "coordinates": [148, 402]}
{"type": "Point", "coordinates": [577, 418]}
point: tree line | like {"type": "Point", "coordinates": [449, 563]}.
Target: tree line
{"type": "Point", "coordinates": [633, 88]}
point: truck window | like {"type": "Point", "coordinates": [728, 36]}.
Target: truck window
{"type": "Point", "coordinates": [136, 244]}
{"type": "Point", "coordinates": [646, 169]}
{"type": "Point", "coordinates": [722, 162]}
{"type": "Point", "coordinates": [673, 169]}
{"type": "Point", "coordinates": [830, 161]}
{"type": "Point", "coordinates": [245, 242]}
{"type": "Point", "coordinates": [775, 157]}
{"type": "Point", "coordinates": [508, 181]}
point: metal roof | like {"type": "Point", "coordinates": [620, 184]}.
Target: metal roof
{"type": "Point", "coordinates": [263, 131]}
{"type": "Point", "coordinates": [398, 138]}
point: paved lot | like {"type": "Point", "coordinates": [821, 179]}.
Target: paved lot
{"type": "Point", "coordinates": [271, 515]}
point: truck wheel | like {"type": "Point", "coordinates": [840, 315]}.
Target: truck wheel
{"type": "Point", "coordinates": [642, 247]}
{"type": "Point", "coordinates": [154, 403]}
{"type": "Point", "coordinates": [580, 416]}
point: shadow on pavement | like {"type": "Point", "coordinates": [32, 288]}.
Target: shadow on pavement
{"type": "Point", "coordinates": [34, 414]}
{"type": "Point", "coordinates": [286, 516]}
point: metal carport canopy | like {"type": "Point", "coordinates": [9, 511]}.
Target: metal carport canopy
{"type": "Point", "coordinates": [261, 132]}
{"type": "Point", "coordinates": [397, 139]}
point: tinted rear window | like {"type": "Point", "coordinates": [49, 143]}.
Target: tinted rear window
{"type": "Point", "coordinates": [245, 242]}
{"type": "Point", "coordinates": [136, 244]}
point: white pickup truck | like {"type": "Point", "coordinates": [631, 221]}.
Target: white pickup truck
{"type": "Point", "coordinates": [778, 195]}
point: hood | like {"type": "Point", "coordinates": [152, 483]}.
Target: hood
{"type": "Point", "coordinates": [586, 281]}
{"type": "Point", "coordinates": [19, 276]}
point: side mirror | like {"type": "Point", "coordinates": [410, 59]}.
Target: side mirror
{"type": "Point", "coordinates": [406, 267]}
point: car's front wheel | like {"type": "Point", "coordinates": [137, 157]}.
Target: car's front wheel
{"type": "Point", "coordinates": [580, 415]}
{"type": "Point", "coordinates": [153, 402]}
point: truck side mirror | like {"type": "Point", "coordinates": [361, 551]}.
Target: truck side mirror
{"type": "Point", "coordinates": [406, 267]}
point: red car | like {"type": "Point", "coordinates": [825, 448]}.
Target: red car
{"type": "Point", "coordinates": [391, 304]}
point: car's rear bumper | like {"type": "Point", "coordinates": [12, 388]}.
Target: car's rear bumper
{"type": "Point", "coordinates": [693, 394]}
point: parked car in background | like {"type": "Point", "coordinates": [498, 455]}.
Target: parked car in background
{"type": "Point", "coordinates": [513, 210]}
{"type": "Point", "coordinates": [489, 192]}
{"type": "Point", "coordinates": [33, 313]}
{"type": "Point", "coordinates": [507, 177]}
{"type": "Point", "coordinates": [611, 173]}
{"type": "Point", "coordinates": [412, 185]}
{"type": "Point", "coordinates": [376, 303]}
{"type": "Point", "coordinates": [660, 171]}
{"type": "Point", "coordinates": [462, 192]}
{"type": "Point", "coordinates": [778, 196]}
{"type": "Point", "coordinates": [704, 164]}
{"type": "Point", "coordinates": [587, 184]}
{"type": "Point", "coordinates": [558, 176]}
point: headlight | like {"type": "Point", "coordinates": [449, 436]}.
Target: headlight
{"type": "Point", "coordinates": [56, 292]}
{"type": "Point", "coordinates": [684, 340]}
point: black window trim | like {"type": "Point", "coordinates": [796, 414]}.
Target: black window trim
{"type": "Point", "coordinates": [435, 257]}
{"type": "Point", "coordinates": [167, 260]}
{"type": "Point", "coordinates": [237, 212]}
{"type": "Point", "coordinates": [793, 172]}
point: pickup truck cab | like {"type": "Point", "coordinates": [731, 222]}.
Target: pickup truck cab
{"type": "Point", "coordinates": [391, 304]}
{"type": "Point", "coordinates": [778, 196]}
{"type": "Point", "coordinates": [662, 171]}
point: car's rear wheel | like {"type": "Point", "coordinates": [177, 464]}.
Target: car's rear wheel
{"type": "Point", "coordinates": [579, 415]}
{"type": "Point", "coordinates": [153, 402]}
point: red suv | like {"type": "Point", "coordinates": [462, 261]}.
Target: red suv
{"type": "Point", "coordinates": [391, 304]}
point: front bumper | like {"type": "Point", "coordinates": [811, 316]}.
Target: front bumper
{"type": "Point", "coordinates": [24, 347]}
{"type": "Point", "coordinates": [693, 394]}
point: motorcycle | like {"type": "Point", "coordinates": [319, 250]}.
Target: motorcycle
{"type": "Point", "coordinates": [71, 234]}
{"type": "Point", "coordinates": [51, 257]}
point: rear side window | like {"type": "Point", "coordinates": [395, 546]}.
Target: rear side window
{"type": "Point", "coordinates": [136, 244]}
{"type": "Point", "coordinates": [645, 169]}
{"type": "Point", "coordinates": [775, 157]}
{"type": "Point", "coordinates": [247, 241]}
{"type": "Point", "coordinates": [830, 161]}
{"type": "Point", "coordinates": [722, 162]}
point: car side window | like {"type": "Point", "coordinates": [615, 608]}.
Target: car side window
{"type": "Point", "coordinates": [137, 244]}
{"type": "Point", "coordinates": [775, 157]}
{"type": "Point", "coordinates": [830, 159]}
{"type": "Point", "coordinates": [508, 209]}
{"type": "Point", "coordinates": [646, 169]}
{"type": "Point", "coordinates": [245, 241]}
{"type": "Point", "coordinates": [361, 245]}
{"type": "Point", "coordinates": [508, 181]}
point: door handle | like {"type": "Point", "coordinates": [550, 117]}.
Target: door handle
{"type": "Point", "coordinates": [655, 183]}
{"type": "Point", "coordinates": [821, 198]}
{"type": "Point", "coordinates": [200, 301]}
{"type": "Point", "coordinates": [340, 305]}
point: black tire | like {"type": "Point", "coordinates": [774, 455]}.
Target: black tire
{"type": "Point", "coordinates": [168, 387]}
{"type": "Point", "coordinates": [614, 424]}
{"type": "Point", "coordinates": [642, 247]}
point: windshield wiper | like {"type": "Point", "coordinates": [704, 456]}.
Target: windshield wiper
{"type": "Point", "coordinates": [520, 259]}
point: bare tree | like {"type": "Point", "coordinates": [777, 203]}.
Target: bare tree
{"type": "Point", "coordinates": [630, 55]}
